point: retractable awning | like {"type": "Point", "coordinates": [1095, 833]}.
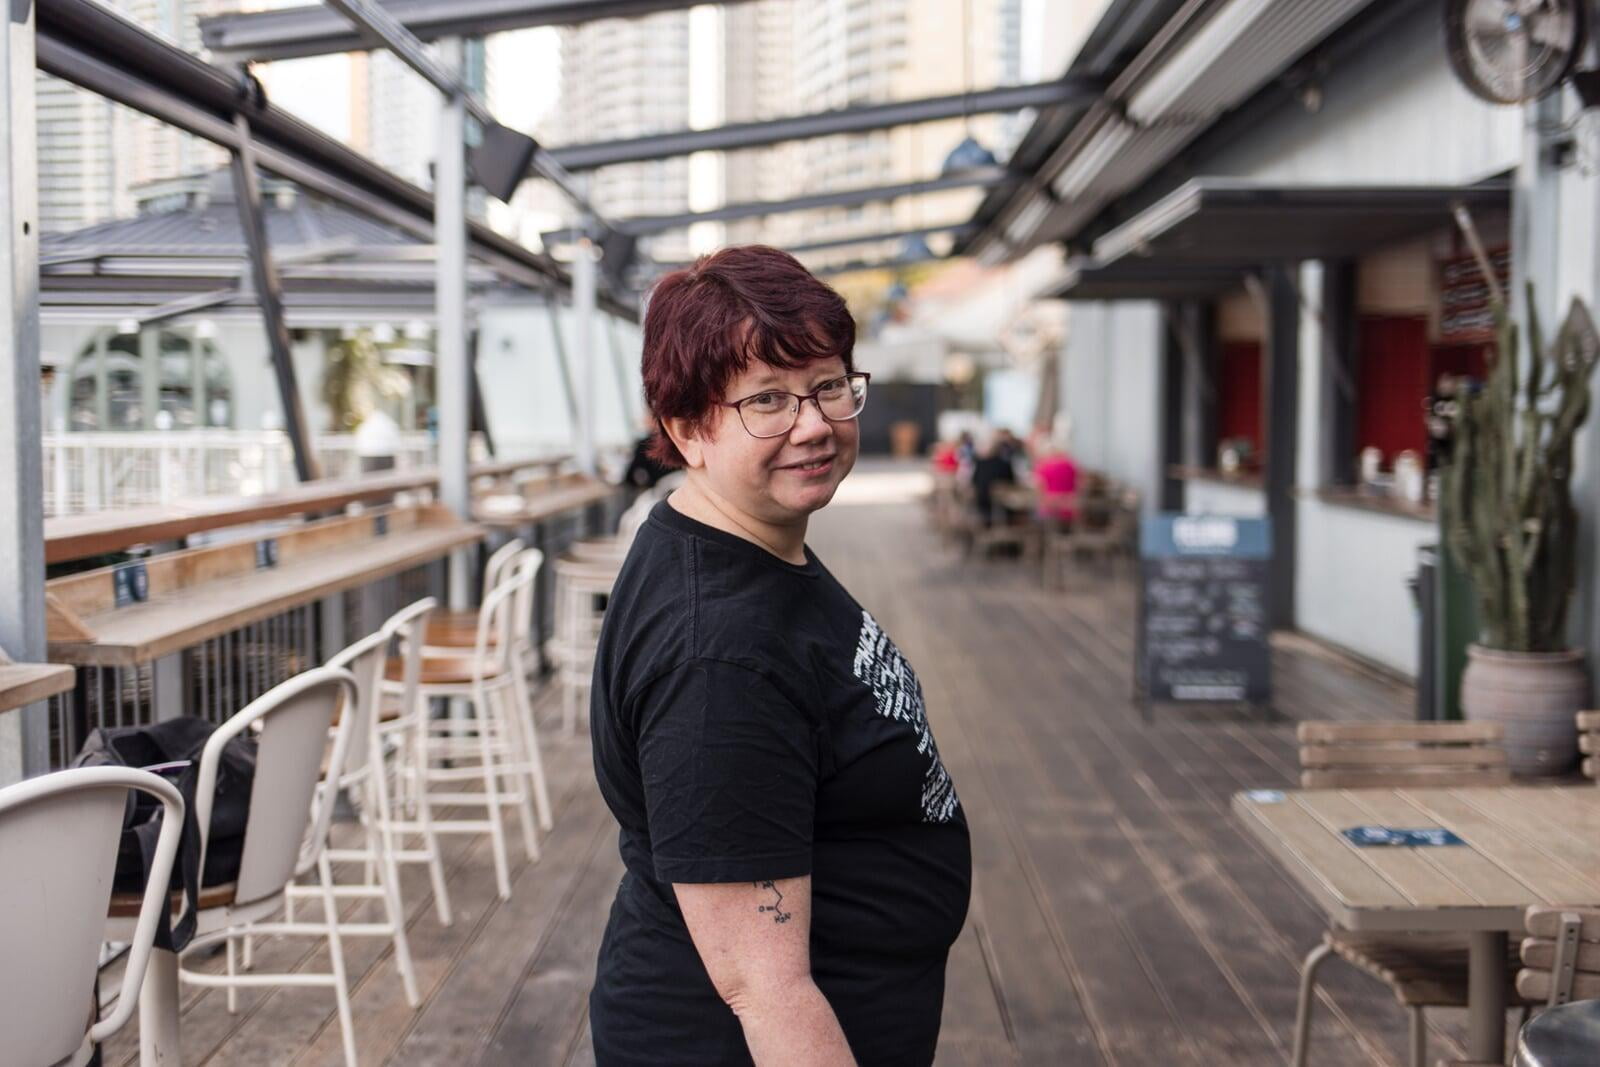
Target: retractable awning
{"type": "Point", "coordinates": [1135, 279]}
{"type": "Point", "coordinates": [1226, 222]}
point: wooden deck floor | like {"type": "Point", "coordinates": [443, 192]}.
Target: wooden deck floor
{"type": "Point", "coordinates": [1119, 914]}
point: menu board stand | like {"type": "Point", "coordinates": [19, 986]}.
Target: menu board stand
{"type": "Point", "coordinates": [1203, 627]}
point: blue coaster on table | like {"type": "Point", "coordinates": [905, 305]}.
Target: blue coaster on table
{"type": "Point", "coordinates": [1365, 836]}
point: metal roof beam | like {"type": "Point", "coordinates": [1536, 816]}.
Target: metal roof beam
{"type": "Point", "coordinates": [860, 119]}
{"type": "Point", "coordinates": [647, 225]}
{"type": "Point", "coordinates": [85, 44]}
{"type": "Point", "coordinates": [313, 30]}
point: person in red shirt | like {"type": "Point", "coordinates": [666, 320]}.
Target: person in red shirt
{"type": "Point", "coordinates": [1055, 475]}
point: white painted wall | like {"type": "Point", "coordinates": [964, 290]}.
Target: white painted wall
{"type": "Point", "coordinates": [1202, 497]}
{"type": "Point", "coordinates": [1395, 113]}
{"type": "Point", "coordinates": [1111, 388]}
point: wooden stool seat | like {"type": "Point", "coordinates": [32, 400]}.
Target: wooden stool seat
{"type": "Point", "coordinates": [440, 670]}
{"type": "Point", "coordinates": [126, 905]}
{"type": "Point", "coordinates": [456, 630]}
{"type": "Point", "coordinates": [1423, 970]}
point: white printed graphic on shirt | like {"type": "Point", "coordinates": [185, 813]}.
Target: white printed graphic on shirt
{"type": "Point", "coordinates": [898, 695]}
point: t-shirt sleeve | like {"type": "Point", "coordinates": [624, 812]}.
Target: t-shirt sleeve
{"type": "Point", "coordinates": [729, 767]}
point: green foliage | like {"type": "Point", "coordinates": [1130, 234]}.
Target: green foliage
{"type": "Point", "coordinates": [1507, 494]}
{"type": "Point", "coordinates": [356, 381]}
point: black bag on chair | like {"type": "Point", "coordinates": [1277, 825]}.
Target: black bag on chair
{"type": "Point", "coordinates": [172, 749]}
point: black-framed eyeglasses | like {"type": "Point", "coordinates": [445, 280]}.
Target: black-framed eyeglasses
{"type": "Point", "coordinates": [773, 412]}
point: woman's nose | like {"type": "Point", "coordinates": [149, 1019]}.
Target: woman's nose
{"type": "Point", "coordinates": [809, 424]}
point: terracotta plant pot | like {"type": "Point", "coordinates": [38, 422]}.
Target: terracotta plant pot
{"type": "Point", "coordinates": [1535, 696]}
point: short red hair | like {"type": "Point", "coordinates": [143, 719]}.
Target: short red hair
{"type": "Point", "coordinates": [705, 323]}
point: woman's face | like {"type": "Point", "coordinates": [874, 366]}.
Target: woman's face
{"type": "Point", "coordinates": [766, 477]}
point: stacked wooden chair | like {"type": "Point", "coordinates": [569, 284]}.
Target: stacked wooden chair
{"type": "Point", "coordinates": [1422, 970]}
{"type": "Point", "coordinates": [1589, 743]}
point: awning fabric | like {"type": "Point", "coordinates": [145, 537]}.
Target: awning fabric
{"type": "Point", "coordinates": [1230, 222]}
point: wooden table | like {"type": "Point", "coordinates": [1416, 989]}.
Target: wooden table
{"type": "Point", "coordinates": [22, 684]}
{"type": "Point", "coordinates": [1525, 845]}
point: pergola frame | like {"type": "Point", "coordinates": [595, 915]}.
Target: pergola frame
{"type": "Point", "coordinates": [648, 225]}
{"type": "Point", "coordinates": [313, 30]}
{"type": "Point", "coordinates": [863, 118]}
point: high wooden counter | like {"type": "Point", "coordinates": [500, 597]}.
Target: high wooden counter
{"type": "Point", "coordinates": [539, 501]}
{"type": "Point", "coordinates": [81, 536]}
{"type": "Point", "coordinates": [22, 684]}
{"type": "Point", "coordinates": [197, 594]}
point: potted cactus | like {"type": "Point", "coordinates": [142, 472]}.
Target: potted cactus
{"type": "Point", "coordinates": [1511, 526]}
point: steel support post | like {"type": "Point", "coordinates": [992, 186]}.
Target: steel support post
{"type": "Point", "coordinates": [269, 296]}
{"type": "Point", "coordinates": [1282, 446]}
{"type": "Point", "coordinates": [583, 332]}
{"type": "Point", "coordinates": [24, 734]}
{"type": "Point", "coordinates": [450, 236]}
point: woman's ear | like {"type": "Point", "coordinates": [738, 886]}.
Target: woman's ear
{"type": "Point", "coordinates": [685, 436]}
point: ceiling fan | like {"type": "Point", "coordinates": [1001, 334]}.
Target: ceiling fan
{"type": "Point", "coordinates": [1512, 51]}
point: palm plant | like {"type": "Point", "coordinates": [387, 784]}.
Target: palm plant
{"type": "Point", "coordinates": [1509, 518]}
{"type": "Point", "coordinates": [356, 381]}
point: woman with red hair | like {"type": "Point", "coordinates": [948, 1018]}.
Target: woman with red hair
{"type": "Point", "coordinates": [797, 859]}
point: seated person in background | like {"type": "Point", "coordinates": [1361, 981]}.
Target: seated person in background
{"type": "Point", "coordinates": [945, 459]}
{"type": "Point", "coordinates": [1056, 478]}
{"type": "Point", "coordinates": [990, 468]}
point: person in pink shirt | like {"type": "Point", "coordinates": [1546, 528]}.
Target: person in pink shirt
{"type": "Point", "coordinates": [1056, 478]}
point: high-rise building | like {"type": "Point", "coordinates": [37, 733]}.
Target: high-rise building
{"type": "Point", "coordinates": [624, 78]}
{"type": "Point", "coordinates": [786, 58]}
{"type": "Point", "coordinates": [93, 153]}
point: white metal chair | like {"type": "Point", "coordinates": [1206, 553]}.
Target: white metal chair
{"type": "Point", "coordinates": [365, 779]}
{"type": "Point", "coordinates": [452, 630]}
{"type": "Point", "coordinates": [580, 586]}
{"type": "Point", "coordinates": [494, 737]}
{"type": "Point", "coordinates": [294, 719]}
{"type": "Point", "coordinates": [58, 834]}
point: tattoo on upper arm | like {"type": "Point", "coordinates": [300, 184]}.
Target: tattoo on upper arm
{"type": "Point", "coordinates": [776, 907]}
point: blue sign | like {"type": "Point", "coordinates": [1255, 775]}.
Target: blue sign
{"type": "Point", "coordinates": [1165, 536]}
{"type": "Point", "coordinates": [130, 583]}
{"type": "Point", "coordinates": [266, 553]}
{"type": "Point", "coordinates": [1391, 837]}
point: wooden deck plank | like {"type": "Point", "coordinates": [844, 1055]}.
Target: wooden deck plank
{"type": "Point", "coordinates": [1120, 914]}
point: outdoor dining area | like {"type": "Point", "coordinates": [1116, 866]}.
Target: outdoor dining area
{"type": "Point", "coordinates": [297, 718]}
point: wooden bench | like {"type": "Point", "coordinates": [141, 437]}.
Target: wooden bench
{"type": "Point", "coordinates": [1422, 754]}
{"type": "Point", "coordinates": [197, 594]}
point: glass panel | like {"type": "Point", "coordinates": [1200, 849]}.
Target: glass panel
{"type": "Point", "coordinates": [177, 384]}
{"type": "Point", "coordinates": [219, 387]}
{"type": "Point", "coordinates": [84, 414]}
{"type": "Point", "coordinates": [124, 383]}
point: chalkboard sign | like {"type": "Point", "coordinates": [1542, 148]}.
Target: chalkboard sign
{"type": "Point", "coordinates": [1203, 610]}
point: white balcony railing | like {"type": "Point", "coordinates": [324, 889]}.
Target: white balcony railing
{"type": "Point", "coordinates": [86, 472]}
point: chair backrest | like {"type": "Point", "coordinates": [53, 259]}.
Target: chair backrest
{"type": "Point", "coordinates": [295, 717]}
{"type": "Point", "coordinates": [409, 626]}
{"type": "Point", "coordinates": [1589, 743]}
{"type": "Point", "coordinates": [365, 661]}
{"type": "Point", "coordinates": [633, 518]}
{"type": "Point", "coordinates": [1560, 955]}
{"type": "Point", "coordinates": [499, 560]}
{"type": "Point", "coordinates": [530, 560]}
{"type": "Point", "coordinates": [499, 619]}
{"type": "Point", "coordinates": [58, 837]}
{"type": "Point", "coordinates": [1339, 755]}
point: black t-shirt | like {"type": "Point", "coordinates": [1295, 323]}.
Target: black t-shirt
{"type": "Point", "coordinates": [751, 721]}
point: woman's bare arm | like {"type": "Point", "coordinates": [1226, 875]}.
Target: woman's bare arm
{"type": "Point", "coordinates": [754, 938]}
